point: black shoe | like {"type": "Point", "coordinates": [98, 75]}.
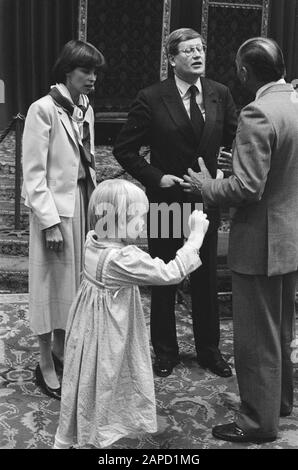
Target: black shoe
{"type": "Point", "coordinates": [40, 381]}
{"type": "Point", "coordinates": [216, 364]}
{"type": "Point", "coordinates": [163, 367]}
{"type": "Point", "coordinates": [58, 364]}
{"type": "Point", "coordinates": [285, 413]}
{"type": "Point", "coordinates": [231, 432]}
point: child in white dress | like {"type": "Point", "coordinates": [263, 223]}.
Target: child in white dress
{"type": "Point", "coordinates": [107, 387]}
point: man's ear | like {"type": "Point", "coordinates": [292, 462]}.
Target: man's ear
{"type": "Point", "coordinates": [172, 61]}
{"type": "Point", "coordinates": [244, 73]}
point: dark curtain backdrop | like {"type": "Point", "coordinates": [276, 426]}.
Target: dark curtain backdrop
{"type": "Point", "coordinates": [186, 14]}
{"type": "Point", "coordinates": [128, 32]}
{"type": "Point", "coordinates": [35, 32]}
{"type": "Point", "coordinates": [283, 28]}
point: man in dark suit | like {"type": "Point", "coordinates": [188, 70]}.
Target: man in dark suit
{"type": "Point", "coordinates": [180, 118]}
{"type": "Point", "coordinates": [263, 247]}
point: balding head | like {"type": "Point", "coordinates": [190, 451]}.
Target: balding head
{"type": "Point", "coordinates": [264, 57]}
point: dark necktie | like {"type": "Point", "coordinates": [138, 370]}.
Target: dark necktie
{"type": "Point", "coordinates": [196, 117]}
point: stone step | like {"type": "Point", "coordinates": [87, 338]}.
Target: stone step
{"type": "Point", "coordinates": [7, 167]}
{"type": "Point", "coordinates": [14, 242]}
{"type": "Point", "coordinates": [7, 193]}
{"type": "Point", "coordinates": [8, 147]}
{"type": "Point", "coordinates": [7, 180]}
{"type": "Point", "coordinates": [7, 206]}
{"type": "Point", "coordinates": [7, 215]}
{"type": "Point", "coordinates": [7, 189]}
{"type": "Point", "coordinates": [13, 273]}
{"type": "Point", "coordinates": [7, 154]}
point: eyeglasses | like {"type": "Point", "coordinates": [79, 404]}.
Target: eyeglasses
{"type": "Point", "coordinates": [191, 50]}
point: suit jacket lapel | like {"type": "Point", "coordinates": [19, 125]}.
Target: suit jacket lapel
{"type": "Point", "coordinates": [176, 109]}
{"type": "Point", "coordinates": [64, 118]}
{"type": "Point", "coordinates": [210, 102]}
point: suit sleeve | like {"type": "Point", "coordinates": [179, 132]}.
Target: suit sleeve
{"type": "Point", "coordinates": [35, 160]}
{"type": "Point", "coordinates": [251, 162]}
{"type": "Point", "coordinates": [134, 134]}
{"type": "Point", "coordinates": [230, 120]}
{"type": "Point", "coordinates": [133, 266]}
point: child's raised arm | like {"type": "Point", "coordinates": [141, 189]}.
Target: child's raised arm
{"type": "Point", "coordinates": [134, 266]}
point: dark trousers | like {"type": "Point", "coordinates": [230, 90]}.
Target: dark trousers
{"type": "Point", "coordinates": [264, 316]}
{"type": "Point", "coordinates": [204, 300]}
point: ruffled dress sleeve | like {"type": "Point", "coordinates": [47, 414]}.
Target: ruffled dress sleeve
{"type": "Point", "coordinates": [133, 266]}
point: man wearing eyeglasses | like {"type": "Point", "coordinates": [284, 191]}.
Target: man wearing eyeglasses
{"type": "Point", "coordinates": [181, 118]}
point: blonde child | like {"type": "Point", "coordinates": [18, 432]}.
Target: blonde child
{"type": "Point", "coordinates": [107, 388]}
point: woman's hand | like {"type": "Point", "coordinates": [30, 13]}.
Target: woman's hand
{"type": "Point", "coordinates": [53, 238]}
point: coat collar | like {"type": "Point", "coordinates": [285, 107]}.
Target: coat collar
{"type": "Point", "coordinates": [64, 116]}
{"type": "Point", "coordinates": [65, 119]}
{"type": "Point", "coordinates": [275, 88]}
{"type": "Point", "coordinates": [176, 109]}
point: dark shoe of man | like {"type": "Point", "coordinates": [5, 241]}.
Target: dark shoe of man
{"type": "Point", "coordinates": [232, 433]}
{"type": "Point", "coordinates": [164, 367]}
{"type": "Point", "coordinates": [284, 412]}
{"type": "Point", "coordinates": [216, 364]}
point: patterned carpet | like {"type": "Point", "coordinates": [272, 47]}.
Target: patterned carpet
{"type": "Point", "coordinates": [189, 402]}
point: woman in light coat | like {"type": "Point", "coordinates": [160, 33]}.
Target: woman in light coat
{"type": "Point", "coordinates": [59, 175]}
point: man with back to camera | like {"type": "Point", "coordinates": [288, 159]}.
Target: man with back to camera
{"type": "Point", "coordinates": [263, 248]}
{"type": "Point", "coordinates": [180, 118]}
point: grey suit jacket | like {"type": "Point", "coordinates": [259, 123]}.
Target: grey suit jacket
{"type": "Point", "coordinates": [264, 186]}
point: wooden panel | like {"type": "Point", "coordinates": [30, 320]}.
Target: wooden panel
{"type": "Point", "coordinates": [131, 34]}
{"type": "Point", "coordinates": [225, 26]}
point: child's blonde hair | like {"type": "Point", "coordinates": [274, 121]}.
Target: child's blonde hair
{"type": "Point", "coordinates": [122, 195]}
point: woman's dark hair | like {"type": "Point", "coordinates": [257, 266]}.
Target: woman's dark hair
{"type": "Point", "coordinates": [265, 58]}
{"type": "Point", "coordinates": [75, 54]}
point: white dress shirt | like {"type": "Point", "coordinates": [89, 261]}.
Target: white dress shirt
{"type": "Point", "coordinates": [183, 88]}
